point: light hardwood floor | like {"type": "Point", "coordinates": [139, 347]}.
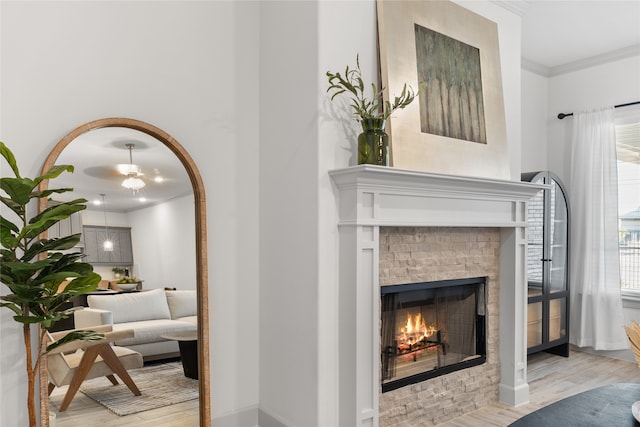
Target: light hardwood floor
{"type": "Point", "coordinates": [550, 377]}
{"type": "Point", "coordinates": [85, 412]}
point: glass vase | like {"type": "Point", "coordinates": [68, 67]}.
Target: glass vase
{"type": "Point", "coordinates": [373, 143]}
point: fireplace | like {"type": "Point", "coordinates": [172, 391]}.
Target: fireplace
{"type": "Point", "coordinates": [431, 329]}
{"type": "Point", "coordinates": [372, 199]}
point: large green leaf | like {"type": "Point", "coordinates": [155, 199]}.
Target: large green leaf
{"type": "Point", "coordinates": [8, 233]}
{"type": "Point", "coordinates": [8, 156]}
{"type": "Point", "coordinates": [83, 284]}
{"type": "Point", "coordinates": [75, 336]}
{"type": "Point", "coordinates": [46, 245]}
{"type": "Point", "coordinates": [64, 267]}
{"type": "Point", "coordinates": [28, 319]}
{"type": "Point", "coordinates": [29, 267]}
{"type": "Point", "coordinates": [18, 189]}
{"type": "Point", "coordinates": [72, 272]}
{"type": "Point", "coordinates": [15, 207]}
{"type": "Point", "coordinates": [6, 255]}
{"type": "Point", "coordinates": [46, 193]}
{"type": "Point", "coordinates": [50, 217]}
{"type": "Point", "coordinates": [58, 210]}
{"type": "Point", "coordinates": [23, 294]}
{"type": "Point", "coordinates": [14, 307]}
{"type": "Point", "coordinates": [22, 272]}
{"type": "Point", "coordinates": [54, 172]}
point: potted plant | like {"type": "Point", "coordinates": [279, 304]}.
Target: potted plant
{"type": "Point", "coordinates": [117, 272]}
{"type": "Point", "coordinates": [373, 142]}
{"type": "Point", "coordinates": [39, 277]}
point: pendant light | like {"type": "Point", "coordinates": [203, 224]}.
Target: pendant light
{"type": "Point", "coordinates": [107, 245]}
{"type": "Point", "coordinates": [132, 182]}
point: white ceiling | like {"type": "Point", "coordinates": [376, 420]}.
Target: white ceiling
{"type": "Point", "coordinates": [95, 156]}
{"type": "Point", "coordinates": [560, 36]}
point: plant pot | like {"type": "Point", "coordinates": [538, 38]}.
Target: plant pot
{"type": "Point", "coordinates": [373, 143]}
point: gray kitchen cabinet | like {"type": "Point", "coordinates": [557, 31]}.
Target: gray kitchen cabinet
{"type": "Point", "coordinates": [71, 225]}
{"type": "Point", "coordinates": [122, 254]}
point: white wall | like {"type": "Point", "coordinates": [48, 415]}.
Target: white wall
{"type": "Point", "coordinates": [189, 68]}
{"type": "Point", "coordinates": [163, 240]}
{"type": "Point", "coordinates": [288, 212]}
{"type": "Point", "coordinates": [534, 122]}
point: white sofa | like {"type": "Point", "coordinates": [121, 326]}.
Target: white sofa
{"type": "Point", "coordinates": [149, 313]}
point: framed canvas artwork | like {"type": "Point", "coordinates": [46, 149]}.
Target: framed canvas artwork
{"type": "Point", "coordinates": [457, 125]}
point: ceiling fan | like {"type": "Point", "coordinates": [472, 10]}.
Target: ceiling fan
{"type": "Point", "coordinates": [133, 173]}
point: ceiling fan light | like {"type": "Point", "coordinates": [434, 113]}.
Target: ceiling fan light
{"type": "Point", "coordinates": [133, 183]}
{"type": "Point", "coordinates": [107, 246]}
{"type": "Point", "coordinates": [129, 169]}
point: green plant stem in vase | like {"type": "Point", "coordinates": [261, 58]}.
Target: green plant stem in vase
{"type": "Point", "coordinates": [373, 143]}
{"type": "Point", "coordinates": [372, 113]}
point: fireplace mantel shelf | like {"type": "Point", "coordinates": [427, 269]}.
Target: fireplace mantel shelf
{"type": "Point", "coordinates": [393, 178]}
{"type": "Point", "coordinates": [370, 197]}
{"type": "Point", "coordinates": [378, 195]}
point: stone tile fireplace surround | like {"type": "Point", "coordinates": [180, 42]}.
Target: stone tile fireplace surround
{"type": "Point", "coordinates": [377, 204]}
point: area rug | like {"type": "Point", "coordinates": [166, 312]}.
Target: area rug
{"type": "Point", "coordinates": [160, 385]}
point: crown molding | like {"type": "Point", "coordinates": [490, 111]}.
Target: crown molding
{"type": "Point", "coordinates": [536, 68]}
{"type": "Point", "coordinates": [518, 7]}
{"type": "Point", "coordinates": [614, 55]}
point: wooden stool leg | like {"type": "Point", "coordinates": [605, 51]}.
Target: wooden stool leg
{"type": "Point", "coordinates": [51, 387]}
{"type": "Point", "coordinates": [88, 357]}
{"type": "Point", "coordinates": [110, 358]}
{"type": "Point", "coordinates": [113, 379]}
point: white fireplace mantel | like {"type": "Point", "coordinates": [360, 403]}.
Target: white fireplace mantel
{"type": "Point", "coordinates": [373, 196]}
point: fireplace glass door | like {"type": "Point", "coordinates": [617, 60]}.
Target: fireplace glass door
{"type": "Point", "coordinates": [430, 329]}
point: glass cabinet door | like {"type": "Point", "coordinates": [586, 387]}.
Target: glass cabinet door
{"type": "Point", "coordinates": [557, 238]}
{"type": "Point", "coordinates": [535, 246]}
{"type": "Point", "coordinates": [547, 274]}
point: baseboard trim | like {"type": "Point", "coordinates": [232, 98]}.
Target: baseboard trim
{"type": "Point", "coordinates": [250, 417]}
{"type": "Point", "coordinates": [267, 420]}
{"type": "Point", "coordinates": [247, 417]}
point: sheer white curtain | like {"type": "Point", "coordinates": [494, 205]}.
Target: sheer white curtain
{"type": "Point", "coordinates": [596, 303]}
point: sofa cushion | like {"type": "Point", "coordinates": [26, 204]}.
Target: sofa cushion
{"type": "Point", "coordinates": [148, 331]}
{"type": "Point", "coordinates": [182, 303]}
{"type": "Point", "coordinates": [191, 319]}
{"type": "Point", "coordinates": [134, 306]}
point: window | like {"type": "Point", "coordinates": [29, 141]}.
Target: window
{"type": "Point", "coordinates": [628, 150]}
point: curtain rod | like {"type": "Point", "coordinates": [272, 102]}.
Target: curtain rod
{"type": "Point", "coordinates": [563, 115]}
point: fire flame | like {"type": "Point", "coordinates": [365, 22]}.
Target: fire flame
{"type": "Point", "coordinates": [416, 328]}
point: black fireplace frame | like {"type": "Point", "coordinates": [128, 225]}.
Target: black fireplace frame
{"type": "Point", "coordinates": [481, 328]}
